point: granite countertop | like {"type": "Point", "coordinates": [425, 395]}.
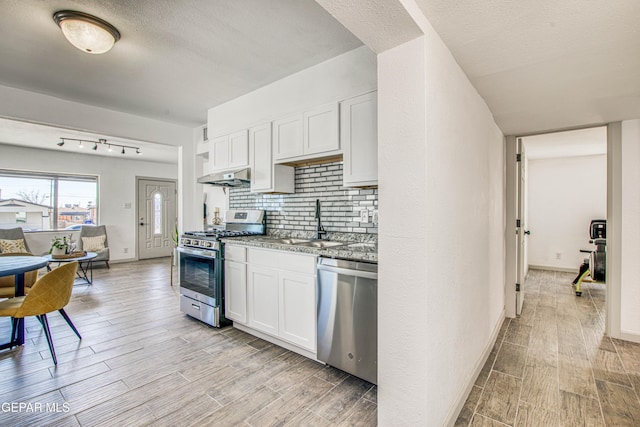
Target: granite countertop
{"type": "Point", "coordinates": [354, 246]}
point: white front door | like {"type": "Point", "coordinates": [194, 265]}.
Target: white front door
{"type": "Point", "coordinates": [157, 217]}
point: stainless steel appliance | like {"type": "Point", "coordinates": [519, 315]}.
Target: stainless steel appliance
{"type": "Point", "coordinates": [347, 306]}
{"type": "Point", "coordinates": [201, 265]}
{"type": "Point", "coordinates": [236, 178]}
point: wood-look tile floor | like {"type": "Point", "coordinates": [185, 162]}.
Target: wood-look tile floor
{"type": "Point", "coordinates": [554, 366]}
{"type": "Point", "coordinates": [142, 362]}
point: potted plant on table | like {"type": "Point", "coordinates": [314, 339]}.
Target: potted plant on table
{"type": "Point", "coordinates": [59, 246]}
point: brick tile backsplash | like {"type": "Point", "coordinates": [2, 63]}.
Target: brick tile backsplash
{"type": "Point", "coordinates": [341, 207]}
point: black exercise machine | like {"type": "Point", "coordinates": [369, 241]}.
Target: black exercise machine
{"type": "Point", "coordinates": [594, 266]}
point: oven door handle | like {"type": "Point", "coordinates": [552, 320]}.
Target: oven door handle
{"type": "Point", "coordinates": [206, 254]}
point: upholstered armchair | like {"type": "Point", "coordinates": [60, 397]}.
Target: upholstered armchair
{"type": "Point", "coordinates": [94, 239]}
{"type": "Point", "coordinates": [12, 240]}
{"type": "Point", "coordinates": [50, 293]}
{"type": "Point", "coordinates": [13, 243]}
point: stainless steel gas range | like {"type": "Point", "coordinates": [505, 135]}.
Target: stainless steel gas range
{"type": "Point", "coordinates": [201, 265]}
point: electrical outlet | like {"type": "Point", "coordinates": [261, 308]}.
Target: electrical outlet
{"type": "Point", "coordinates": [374, 217]}
{"type": "Point", "coordinates": [558, 255]}
{"type": "Point", "coordinates": [127, 205]}
{"type": "Point", "coordinates": [364, 216]}
{"type": "Point", "coordinates": [126, 250]}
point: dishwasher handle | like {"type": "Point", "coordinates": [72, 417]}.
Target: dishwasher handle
{"type": "Point", "coordinates": [348, 272]}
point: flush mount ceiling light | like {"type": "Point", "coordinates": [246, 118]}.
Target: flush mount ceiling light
{"type": "Point", "coordinates": [86, 32]}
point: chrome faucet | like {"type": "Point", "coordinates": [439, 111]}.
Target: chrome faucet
{"type": "Point", "coordinates": [319, 228]}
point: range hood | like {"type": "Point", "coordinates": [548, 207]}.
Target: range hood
{"type": "Point", "coordinates": [237, 178]}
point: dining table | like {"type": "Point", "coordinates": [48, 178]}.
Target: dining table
{"type": "Point", "coordinates": [16, 266]}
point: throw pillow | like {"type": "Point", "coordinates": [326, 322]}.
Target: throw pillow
{"type": "Point", "coordinates": [93, 244]}
{"type": "Point", "coordinates": [12, 246]}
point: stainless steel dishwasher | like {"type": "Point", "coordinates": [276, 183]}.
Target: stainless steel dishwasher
{"type": "Point", "coordinates": [347, 312]}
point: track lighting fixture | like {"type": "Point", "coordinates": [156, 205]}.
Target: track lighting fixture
{"type": "Point", "coordinates": [100, 142]}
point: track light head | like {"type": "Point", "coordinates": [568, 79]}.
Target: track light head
{"type": "Point", "coordinates": [61, 143]}
{"type": "Point", "coordinates": [122, 150]}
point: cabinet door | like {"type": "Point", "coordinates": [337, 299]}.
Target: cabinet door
{"type": "Point", "coordinates": [297, 309]}
{"type": "Point", "coordinates": [260, 154]}
{"type": "Point", "coordinates": [239, 149]}
{"type": "Point", "coordinates": [219, 153]}
{"type": "Point", "coordinates": [287, 137]}
{"type": "Point", "coordinates": [263, 299]}
{"type": "Point", "coordinates": [321, 129]}
{"type": "Point", "coordinates": [235, 289]}
{"type": "Point", "coordinates": [359, 136]}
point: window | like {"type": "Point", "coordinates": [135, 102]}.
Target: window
{"type": "Point", "coordinates": [40, 201]}
{"type": "Point", "coordinates": [157, 213]}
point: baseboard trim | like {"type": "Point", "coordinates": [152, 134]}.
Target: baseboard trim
{"type": "Point", "coordinates": [471, 380]}
{"type": "Point", "coordinates": [630, 336]}
{"type": "Point", "coordinates": [553, 268]}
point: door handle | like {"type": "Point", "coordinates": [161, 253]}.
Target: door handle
{"type": "Point", "coordinates": [527, 232]}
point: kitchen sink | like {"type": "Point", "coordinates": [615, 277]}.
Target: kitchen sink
{"type": "Point", "coordinates": [320, 244]}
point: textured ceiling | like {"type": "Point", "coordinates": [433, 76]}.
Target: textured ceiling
{"type": "Point", "coordinates": [546, 64]}
{"type": "Point", "coordinates": [176, 58]}
{"type": "Point", "coordinates": [539, 65]}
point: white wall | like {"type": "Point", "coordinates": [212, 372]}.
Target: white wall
{"type": "Point", "coordinates": [441, 235]}
{"type": "Point", "coordinates": [117, 180]}
{"type": "Point", "coordinates": [344, 76]}
{"type": "Point", "coordinates": [630, 224]}
{"type": "Point", "coordinates": [565, 194]}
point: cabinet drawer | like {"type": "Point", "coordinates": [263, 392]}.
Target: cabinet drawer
{"type": "Point", "coordinates": [298, 263]}
{"type": "Point", "coordinates": [235, 253]}
{"type": "Point", "coordinates": [263, 257]}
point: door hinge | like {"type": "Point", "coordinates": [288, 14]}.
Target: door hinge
{"type": "Point", "coordinates": [518, 157]}
{"type": "Point", "coordinates": [517, 223]}
{"type": "Point", "coordinates": [517, 287]}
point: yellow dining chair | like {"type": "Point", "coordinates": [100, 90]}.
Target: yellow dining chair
{"type": "Point", "coordinates": [7, 283]}
{"type": "Point", "coordinates": [50, 293]}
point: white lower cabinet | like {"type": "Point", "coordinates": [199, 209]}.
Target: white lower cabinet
{"type": "Point", "coordinates": [235, 291]}
{"type": "Point", "coordinates": [235, 284]}
{"type": "Point", "coordinates": [263, 298]}
{"type": "Point", "coordinates": [297, 309]}
{"type": "Point", "coordinates": [280, 296]}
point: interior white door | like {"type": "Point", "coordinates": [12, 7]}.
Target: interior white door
{"type": "Point", "coordinates": [157, 217]}
{"type": "Point", "coordinates": [520, 225]}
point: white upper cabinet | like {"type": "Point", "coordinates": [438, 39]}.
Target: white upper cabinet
{"type": "Point", "coordinates": [239, 149]}
{"type": "Point", "coordinates": [314, 133]}
{"type": "Point", "coordinates": [265, 176]}
{"type": "Point", "coordinates": [229, 151]}
{"type": "Point", "coordinates": [287, 137]}
{"type": "Point", "coordinates": [359, 137]}
{"type": "Point", "coordinates": [219, 153]}
{"type": "Point", "coordinates": [321, 129]}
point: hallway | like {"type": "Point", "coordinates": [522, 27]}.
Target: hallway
{"type": "Point", "coordinates": [553, 366]}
